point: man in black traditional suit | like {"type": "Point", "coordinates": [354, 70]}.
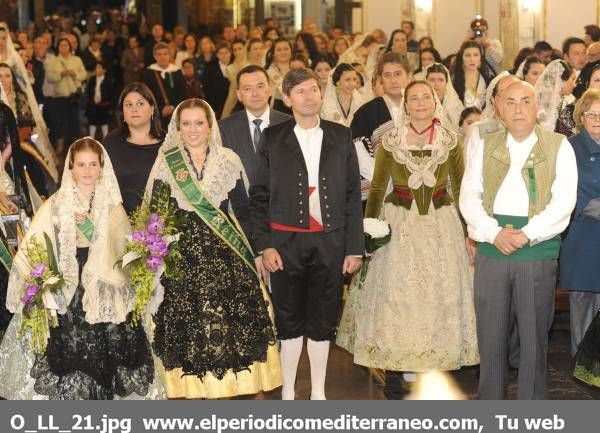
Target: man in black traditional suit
{"type": "Point", "coordinates": [166, 82]}
{"type": "Point", "coordinates": [241, 131]}
{"type": "Point", "coordinates": [307, 218]}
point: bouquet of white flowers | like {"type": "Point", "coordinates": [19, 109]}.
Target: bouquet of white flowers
{"type": "Point", "coordinates": [377, 234]}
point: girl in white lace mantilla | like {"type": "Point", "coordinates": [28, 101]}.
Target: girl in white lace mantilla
{"type": "Point", "coordinates": [93, 353]}
{"type": "Point", "coordinates": [439, 77]}
{"type": "Point", "coordinates": [415, 311]}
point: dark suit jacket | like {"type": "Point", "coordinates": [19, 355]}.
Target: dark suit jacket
{"type": "Point", "coordinates": [279, 191]}
{"type": "Point", "coordinates": [216, 87]}
{"type": "Point", "coordinates": [237, 136]}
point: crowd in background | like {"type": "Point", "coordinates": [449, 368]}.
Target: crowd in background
{"type": "Point", "coordinates": [71, 80]}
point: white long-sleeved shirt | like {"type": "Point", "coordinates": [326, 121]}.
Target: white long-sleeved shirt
{"type": "Point", "coordinates": [512, 197]}
{"type": "Point", "coordinates": [311, 141]}
{"type": "Point", "coordinates": [366, 162]}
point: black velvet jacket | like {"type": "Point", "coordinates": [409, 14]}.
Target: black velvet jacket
{"type": "Point", "coordinates": [279, 191]}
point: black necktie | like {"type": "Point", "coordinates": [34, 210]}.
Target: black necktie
{"type": "Point", "coordinates": [256, 134]}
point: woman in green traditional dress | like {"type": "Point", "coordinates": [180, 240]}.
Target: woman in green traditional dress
{"type": "Point", "coordinates": [415, 311]}
{"type": "Point", "coordinates": [213, 329]}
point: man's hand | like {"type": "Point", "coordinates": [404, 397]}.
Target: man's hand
{"type": "Point", "coordinates": [519, 238]}
{"type": "Point", "coordinates": [167, 110]}
{"type": "Point", "coordinates": [510, 240]}
{"type": "Point", "coordinates": [262, 271]}
{"type": "Point", "coordinates": [471, 249]}
{"type": "Point", "coordinates": [351, 264]}
{"type": "Point", "coordinates": [272, 260]}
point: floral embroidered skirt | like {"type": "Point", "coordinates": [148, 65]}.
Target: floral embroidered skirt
{"type": "Point", "coordinates": [415, 311]}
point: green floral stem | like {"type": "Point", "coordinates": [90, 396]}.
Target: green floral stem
{"type": "Point", "coordinates": [363, 273]}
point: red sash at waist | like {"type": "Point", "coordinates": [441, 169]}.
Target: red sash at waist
{"type": "Point", "coordinates": [313, 225]}
{"type": "Point", "coordinates": [406, 193]}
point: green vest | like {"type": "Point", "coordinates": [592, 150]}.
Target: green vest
{"type": "Point", "coordinates": [538, 173]}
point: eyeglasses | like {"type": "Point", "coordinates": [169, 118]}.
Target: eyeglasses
{"type": "Point", "coordinates": [592, 115]}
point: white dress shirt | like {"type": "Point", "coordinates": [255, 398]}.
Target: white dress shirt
{"type": "Point", "coordinates": [512, 197]}
{"type": "Point", "coordinates": [97, 92]}
{"type": "Point", "coordinates": [310, 141]}
{"type": "Point", "coordinates": [223, 67]}
{"type": "Point", "coordinates": [264, 117]}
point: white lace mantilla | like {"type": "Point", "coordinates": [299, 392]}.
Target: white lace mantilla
{"type": "Point", "coordinates": [107, 295]}
{"type": "Point", "coordinates": [222, 168]}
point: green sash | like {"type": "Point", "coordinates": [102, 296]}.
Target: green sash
{"type": "Point", "coordinates": [6, 257]}
{"type": "Point", "coordinates": [214, 218]}
{"type": "Point", "coordinates": [86, 228]}
{"type": "Point", "coordinates": [546, 250]}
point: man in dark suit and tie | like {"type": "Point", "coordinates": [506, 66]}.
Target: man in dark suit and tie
{"type": "Point", "coordinates": [307, 218]}
{"type": "Point", "coordinates": [241, 131]}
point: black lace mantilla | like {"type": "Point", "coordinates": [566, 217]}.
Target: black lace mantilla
{"type": "Point", "coordinates": [93, 362]}
{"type": "Point", "coordinates": [214, 318]}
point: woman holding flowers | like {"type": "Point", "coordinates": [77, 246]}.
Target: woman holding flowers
{"type": "Point", "coordinates": [213, 330]}
{"type": "Point", "coordinates": [70, 337]}
{"type": "Point", "coordinates": [415, 310]}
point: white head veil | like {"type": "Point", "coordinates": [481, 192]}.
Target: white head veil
{"type": "Point", "coordinates": [222, 167]}
{"type": "Point", "coordinates": [107, 295]}
{"type": "Point", "coordinates": [519, 74]}
{"type": "Point", "coordinates": [452, 105]}
{"type": "Point", "coordinates": [349, 56]}
{"type": "Point", "coordinates": [489, 112]}
{"type": "Point", "coordinates": [40, 136]}
{"type": "Point", "coordinates": [548, 89]}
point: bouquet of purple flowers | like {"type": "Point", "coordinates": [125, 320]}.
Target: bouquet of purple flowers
{"type": "Point", "coordinates": [39, 305]}
{"type": "Point", "coordinates": [152, 249]}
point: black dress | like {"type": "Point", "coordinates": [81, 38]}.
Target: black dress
{"type": "Point", "coordinates": [5, 315]}
{"type": "Point", "coordinates": [132, 164]}
{"type": "Point", "coordinates": [93, 361]}
{"type": "Point", "coordinates": [587, 359]}
{"type": "Point", "coordinates": [215, 319]}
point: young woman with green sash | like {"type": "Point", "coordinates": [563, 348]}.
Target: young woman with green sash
{"type": "Point", "coordinates": [93, 352]}
{"type": "Point", "coordinates": [213, 331]}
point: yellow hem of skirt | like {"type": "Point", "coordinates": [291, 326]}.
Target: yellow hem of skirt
{"type": "Point", "coordinates": [262, 376]}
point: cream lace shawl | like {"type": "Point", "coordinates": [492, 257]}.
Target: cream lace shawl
{"type": "Point", "coordinates": [108, 295]}
{"type": "Point", "coordinates": [331, 110]}
{"type": "Point", "coordinates": [222, 169]}
{"type": "Point", "coordinates": [422, 169]}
